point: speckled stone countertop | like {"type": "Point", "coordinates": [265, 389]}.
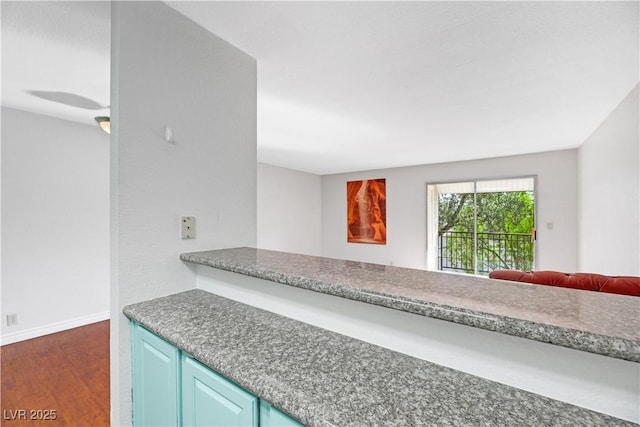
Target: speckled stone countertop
{"type": "Point", "coordinates": [326, 379]}
{"type": "Point", "coordinates": [596, 322]}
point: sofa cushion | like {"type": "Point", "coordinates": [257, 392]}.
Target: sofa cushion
{"type": "Point", "coordinates": [625, 285]}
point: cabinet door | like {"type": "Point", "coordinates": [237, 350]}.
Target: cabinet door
{"type": "Point", "coordinates": [209, 399]}
{"type": "Point", "coordinates": [155, 379]}
{"type": "Point", "coordinates": [271, 417]}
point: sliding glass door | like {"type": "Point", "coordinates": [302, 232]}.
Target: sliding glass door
{"type": "Point", "coordinates": [475, 227]}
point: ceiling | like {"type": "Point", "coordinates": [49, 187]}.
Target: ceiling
{"type": "Point", "coordinates": [345, 86]}
{"type": "Point", "coordinates": [60, 50]}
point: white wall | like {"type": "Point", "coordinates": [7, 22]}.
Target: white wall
{"type": "Point", "coordinates": [289, 210]}
{"type": "Point", "coordinates": [167, 71]}
{"type": "Point", "coordinates": [55, 224]}
{"type": "Point", "coordinates": [406, 208]}
{"type": "Point", "coordinates": [609, 193]}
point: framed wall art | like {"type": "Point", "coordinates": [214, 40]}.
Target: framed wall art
{"type": "Point", "coordinates": [367, 211]}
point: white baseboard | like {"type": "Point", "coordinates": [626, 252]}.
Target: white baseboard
{"type": "Point", "coordinates": [53, 328]}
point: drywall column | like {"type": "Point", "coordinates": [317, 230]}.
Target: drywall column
{"type": "Point", "coordinates": [609, 193]}
{"type": "Point", "coordinates": [168, 71]}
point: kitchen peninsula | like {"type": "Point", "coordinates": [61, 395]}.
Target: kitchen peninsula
{"type": "Point", "coordinates": [602, 324]}
{"type": "Point", "coordinates": [560, 345]}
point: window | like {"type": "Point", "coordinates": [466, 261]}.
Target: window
{"type": "Point", "coordinates": [475, 227]}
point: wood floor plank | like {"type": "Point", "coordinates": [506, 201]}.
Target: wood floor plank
{"type": "Point", "coordinates": [66, 372]}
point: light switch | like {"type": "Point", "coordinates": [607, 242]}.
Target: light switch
{"type": "Point", "coordinates": [188, 227]}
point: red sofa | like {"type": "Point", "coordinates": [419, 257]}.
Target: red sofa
{"type": "Point", "coordinates": [625, 285]}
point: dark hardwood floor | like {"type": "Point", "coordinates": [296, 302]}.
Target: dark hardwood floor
{"type": "Point", "coordinates": [63, 376]}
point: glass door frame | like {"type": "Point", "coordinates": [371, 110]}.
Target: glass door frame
{"type": "Point", "coordinates": [431, 255]}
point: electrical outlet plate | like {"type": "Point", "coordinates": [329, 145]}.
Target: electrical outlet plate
{"type": "Point", "coordinates": [12, 319]}
{"type": "Point", "coordinates": [188, 227]}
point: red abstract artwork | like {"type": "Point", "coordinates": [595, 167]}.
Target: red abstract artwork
{"type": "Point", "coordinates": [367, 211]}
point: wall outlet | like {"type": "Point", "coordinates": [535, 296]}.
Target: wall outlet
{"type": "Point", "coordinates": [12, 319]}
{"type": "Point", "coordinates": [188, 227]}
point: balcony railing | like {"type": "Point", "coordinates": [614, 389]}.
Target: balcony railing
{"type": "Point", "coordinates": [456, 251]}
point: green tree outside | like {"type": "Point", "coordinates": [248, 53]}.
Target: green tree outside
{"type": "Point", "coordinates": [504, 224]}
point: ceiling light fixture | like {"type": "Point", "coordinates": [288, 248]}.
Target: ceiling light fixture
{"type": "Point", "coordinates": [104, 123]}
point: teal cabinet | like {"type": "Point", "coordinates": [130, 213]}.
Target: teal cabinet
{"type": "Point", "coordinates": [156, 367]}
{"type": "Point", "coordinates": [171, 388]}
{"type": "Point", "coordinates": [209, 399]}
{"type": "Point", "coordinates": [272, 417]}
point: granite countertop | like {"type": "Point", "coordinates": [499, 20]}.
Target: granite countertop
{"type": "Point", "coordinates": [596, 322]}
{"type": "Point", "coordinates": [326, 379]}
